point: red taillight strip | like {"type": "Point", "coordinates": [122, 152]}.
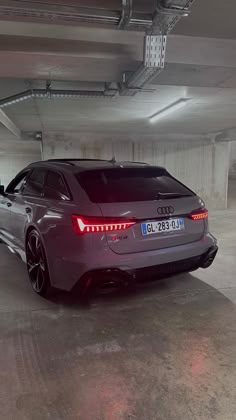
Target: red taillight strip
{"type": "Point", "coordinates": [200, 214]}
{"type": "Point", "coordinates": [84, 224]}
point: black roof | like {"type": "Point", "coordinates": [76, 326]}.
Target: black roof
{"type": "Point", "coordinates": [74, 161]}
{"type": "Point", "coordinates": [75, 165]}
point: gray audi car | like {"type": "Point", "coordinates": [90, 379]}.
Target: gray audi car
{"type": "Point", "coordinates": [78, 222]}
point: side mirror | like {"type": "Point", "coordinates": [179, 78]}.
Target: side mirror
{"type": "Point", "coordinates": [2, 190]}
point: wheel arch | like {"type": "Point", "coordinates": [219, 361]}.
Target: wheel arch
{"type": "Point", "coordinates": [29, 229]}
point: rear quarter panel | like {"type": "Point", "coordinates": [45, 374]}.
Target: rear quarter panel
{"type": "Point", "coordinates": [67, 252]}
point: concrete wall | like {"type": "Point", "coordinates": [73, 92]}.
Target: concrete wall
{"type": "Point", "coordinates": [14, 156]}
{"type": "Point", "coordinates": [232, 169]}
{"type": "Point", "coordinates": [202, 166]}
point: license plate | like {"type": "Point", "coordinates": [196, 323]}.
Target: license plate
{"type": "Point", "coordinates": [170, 225]}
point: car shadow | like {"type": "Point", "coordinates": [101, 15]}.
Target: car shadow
{"type": "Point", "coordinates": [182, 285]}
{"type": "Point", "coordinates": [17, 295]}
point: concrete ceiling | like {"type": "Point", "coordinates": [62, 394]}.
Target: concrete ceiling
{"type": "Point", "coordinates": [215, 18]}
{"type": "Point", "coordinates": [200, 64]}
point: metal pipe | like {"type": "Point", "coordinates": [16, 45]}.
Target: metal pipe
{"type": "Point", "coordinates": [127, 11]}
{"type": "Point", "coordinates": [75, 14]}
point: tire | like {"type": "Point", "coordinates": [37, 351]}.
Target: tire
{"type": "Point", "coordinates": [37, 265]}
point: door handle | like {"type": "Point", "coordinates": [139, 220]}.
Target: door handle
{"type": "Point", "coordinates": [28, 210]}
{"type": "Point", "coordinates": [9, 204]}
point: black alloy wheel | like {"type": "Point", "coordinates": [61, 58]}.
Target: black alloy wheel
{"type": "Point", "coordinates": [37, 264]}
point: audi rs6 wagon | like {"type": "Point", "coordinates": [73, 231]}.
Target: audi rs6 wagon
{"type": "Point", "coordinates": [75, 222]}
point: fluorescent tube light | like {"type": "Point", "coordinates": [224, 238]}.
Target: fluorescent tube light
{"type": "Point", "coordinates": [168, 110]}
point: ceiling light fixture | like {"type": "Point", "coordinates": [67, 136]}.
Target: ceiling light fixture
{"type": "Point", "coordinates": [168, 110]}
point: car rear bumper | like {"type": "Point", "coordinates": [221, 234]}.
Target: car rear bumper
{"type": "Point", "coordinates": [169, 260]}
{"type": "Point", "coordinates": [186, 265]}
{"type": "Point", "coordinates": [113, 277]}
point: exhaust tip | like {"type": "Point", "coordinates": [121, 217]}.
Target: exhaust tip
{"type": "Point", "coordinates": [209, 258]}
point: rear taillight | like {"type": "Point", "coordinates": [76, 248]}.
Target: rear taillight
{"type": "Point", "coordinates": [87, 224]}
{"type": "Point", "coordinates": [200, 214]}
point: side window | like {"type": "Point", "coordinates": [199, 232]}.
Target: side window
{"type": "Point", "coordinates": [16, 186]}
{"type": "Point", "coordinates": [55, 187]}
{"type": "Point", "coordinates": [35, 182]}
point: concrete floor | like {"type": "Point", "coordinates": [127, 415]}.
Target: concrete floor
{"type": "Point", "coordinates": [165, 352]}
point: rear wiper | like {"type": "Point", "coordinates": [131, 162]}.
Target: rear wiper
{"type": "Point", "coordinates": [163, 196]}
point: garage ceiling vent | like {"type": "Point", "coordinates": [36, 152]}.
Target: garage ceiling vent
{"type": "Point", "coordinates": [167, 15]}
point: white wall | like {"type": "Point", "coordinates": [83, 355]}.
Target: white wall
{"type": "Point", "coordinates": [14, 156]}
{"type": "Point", "coordinates": [202, 166]}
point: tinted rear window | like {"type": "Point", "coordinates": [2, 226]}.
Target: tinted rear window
{"type": "Point", "coordinates": [55, 187]}
{"type": "Point", "coordinates": [34, 184]}
{"type": "Point", "coordinates": [133, 184]}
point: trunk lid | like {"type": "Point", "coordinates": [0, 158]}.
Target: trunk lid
{"type": "Point", "coordinates": [132, 240]}
{"type": "Point", "coordinates": [144, 193]}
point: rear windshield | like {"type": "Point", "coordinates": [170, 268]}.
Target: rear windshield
{"type": "Point", "coordinates": [118, 185]}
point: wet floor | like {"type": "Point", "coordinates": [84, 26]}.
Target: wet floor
{"type": "Point", "coordinates": [166, 351]}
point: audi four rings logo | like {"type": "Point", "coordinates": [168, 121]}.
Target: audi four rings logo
{"type": "Point", "coordinates": [165, 211]}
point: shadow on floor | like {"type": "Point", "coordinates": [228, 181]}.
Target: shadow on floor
{"type": "Point", "coordinates": [182, 287]}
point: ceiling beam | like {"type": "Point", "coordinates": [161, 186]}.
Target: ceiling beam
{"type": "Point", "coordinates": [9, 124]}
